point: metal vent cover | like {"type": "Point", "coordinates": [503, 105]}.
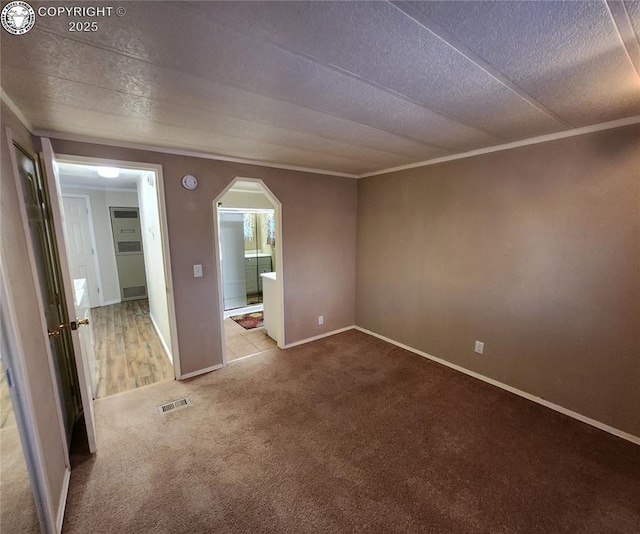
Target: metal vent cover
{"type": "Point", "coordinates": [129, 246]}
{"type": "Point", "coordinates": [174, 405]}
{"type": "Point", "coordinates": [125, 214]}
{"type": "Point", "coordinates": [135, 291]}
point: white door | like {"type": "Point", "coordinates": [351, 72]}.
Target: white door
{"type": "Point", "coordinates": [83, 314]}
{"type": "Point", "coordinates": [81, 358]}
{"type": "Point", "coordinates": [234, 283]}
{"type": "Point", "coordinates": [80, 245]}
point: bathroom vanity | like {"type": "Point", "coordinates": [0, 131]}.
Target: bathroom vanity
{"type": "Point", "coordinates": [272, 307]}
{"type": "Point", "coordinates": [256, 263]}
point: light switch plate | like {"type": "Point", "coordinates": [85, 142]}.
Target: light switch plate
{"type": "Point", "coordinates": [197, 271]}
{"type": "Point", "coordinates": [479, 347]}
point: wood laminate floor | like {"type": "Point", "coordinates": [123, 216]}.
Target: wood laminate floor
{"type": "Point", "coordinates": [128, 350]}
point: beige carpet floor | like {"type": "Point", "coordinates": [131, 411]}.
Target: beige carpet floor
{"type": "Point", "coordinates": [18, 512]}
{"type": "Point", "coordinates": [348, 434]}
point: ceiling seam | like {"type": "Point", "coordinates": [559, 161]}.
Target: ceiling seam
{"type": "Point", "coordinates": [161, 123]}
{"type": "Point", "coordinates": [133, 145]}
{"type": "Point", "coordinates": [357, 77]}
{"type": "Point", "coordinates": [235, 117]}
{"type": "Point", "coordinates": [232, 85]}
{"type": "Point", "coordinates": [464, 51]}
{"type": "Point", "coordinates": [623, 18]}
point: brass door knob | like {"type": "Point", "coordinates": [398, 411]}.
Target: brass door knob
{"type": "Point", "coordinates": [57, 331]}
{"type": "Point", "coordinates": [82, 322]}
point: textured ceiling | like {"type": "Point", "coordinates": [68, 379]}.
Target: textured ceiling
{"type": "Point", "coordinates": [351, 87]}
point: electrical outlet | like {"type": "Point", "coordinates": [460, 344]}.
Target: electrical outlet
{"type": "Point", "coordinates": [479, 347]}
{"type": "Point", "coordinates": [320, 319]}
{"type": "Point", "coordinates": [197, 271]}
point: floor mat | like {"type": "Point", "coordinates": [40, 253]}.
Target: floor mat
{"type": "Point", "coordinates": [249, 320]}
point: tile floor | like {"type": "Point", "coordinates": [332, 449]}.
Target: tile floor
{"type": "Point", "coordinates": [241, 342]}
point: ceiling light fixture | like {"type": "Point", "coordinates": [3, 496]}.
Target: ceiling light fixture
{"type": "Point", "coordinates": [108, 172]}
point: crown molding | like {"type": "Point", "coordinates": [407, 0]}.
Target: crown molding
{"type": "Point", "coordinates": [16, 110]}
{"type": "Point", "coordinates": [205, 155]}
{"type": "Point", "coordinates": [508, 146]}
{"type": "Point", "coordinates": [181, 152]}
{"type": "Point", "coordinates": [66, 187]}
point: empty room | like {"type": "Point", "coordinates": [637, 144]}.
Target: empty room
{"type": "Point", "coordinates": [388, 267]}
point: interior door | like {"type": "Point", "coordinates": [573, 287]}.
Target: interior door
{"type": "Point", "coordinates": [81, 358]}
{"type": "Point", "coordinates": [81, 251]}
{"type": "Point", "coordinates": [45, 255]}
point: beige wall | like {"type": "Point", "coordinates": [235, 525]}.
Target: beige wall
{"type": "Point", "coordinates": [535, 251]}
{"type": "Point", "coordinates": [319, 221]}
{"type": "Point", "coordinates": [15, 263]}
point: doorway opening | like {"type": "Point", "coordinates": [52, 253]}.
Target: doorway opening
{"type": "Point", "coordinates": [115, 229]}
{"type": "Point", "coordinates": [248, 239]}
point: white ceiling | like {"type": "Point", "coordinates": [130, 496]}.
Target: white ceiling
{"type": "Point", "coordinates": [84, 175]}
{"type": "Point", "coordinates": [352, 87]}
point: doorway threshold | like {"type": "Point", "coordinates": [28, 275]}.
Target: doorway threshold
{"type": "Point", "coordinates": [246, 309]}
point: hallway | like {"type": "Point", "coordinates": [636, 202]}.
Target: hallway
{"type": "Point", "coordinates": [129, 353]}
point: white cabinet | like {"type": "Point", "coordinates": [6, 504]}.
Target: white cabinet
{"type": "Point", "coordinates": [272, 306]}
{"type": "Point", "coordinates": [254, 267]}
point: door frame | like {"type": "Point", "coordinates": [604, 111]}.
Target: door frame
{"type": "Point", "coordinates": [156, 169]}
{"type": "Point", "coordinates": [53, 518]}
{"type": "Point", "coordinates": [96, 264]}
{"type": "Point", "coordinates": [277, 208]}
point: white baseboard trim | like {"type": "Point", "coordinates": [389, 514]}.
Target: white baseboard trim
{"type": "Point", "coordinates": [528, 396]}
{"type": "Point", "coordinates": [64, 491]}
{"type": "Point", "coordinates": [163, 342]}
{"type": "Point", "coordinates": [202, 371]}
{"type": "Point", "coordinates": [315, 338]}
{"type": "Point", "coordinates": [110, 302]}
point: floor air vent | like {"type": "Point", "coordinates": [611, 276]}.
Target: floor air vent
{"type": "Point", "coordinates": [174, 405]}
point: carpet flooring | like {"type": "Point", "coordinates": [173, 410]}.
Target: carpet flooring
{"type": "Point", "coordinates": [348, 434]}
{"type": "Point", "coordinates": [17, 505]}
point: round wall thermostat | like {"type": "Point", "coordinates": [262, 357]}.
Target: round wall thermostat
{"type": "Point", "coordinates": [189, 182]}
